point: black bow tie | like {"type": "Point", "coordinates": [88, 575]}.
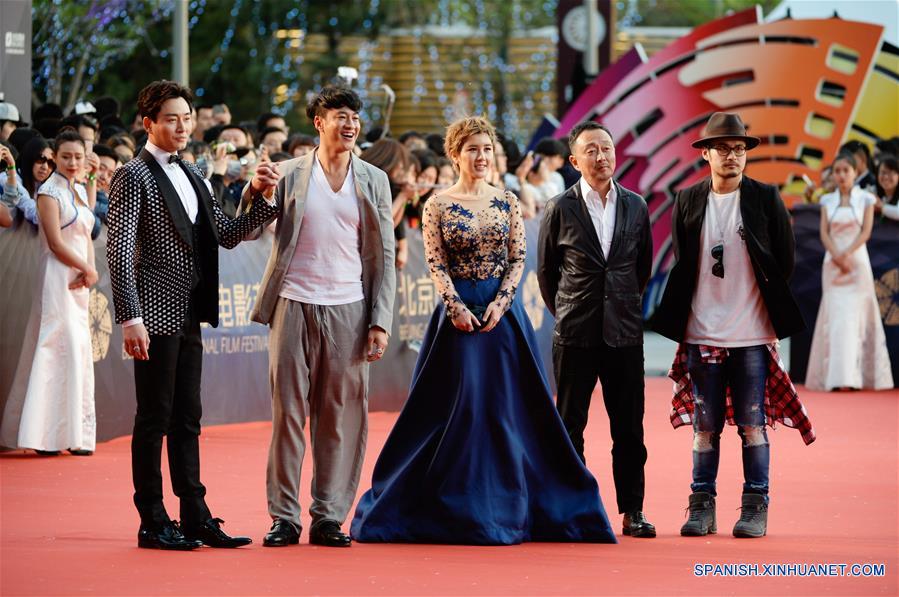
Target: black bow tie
{"type": "Point", "coordinates": [174, 158]}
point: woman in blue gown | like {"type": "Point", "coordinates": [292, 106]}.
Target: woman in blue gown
{"type": "Point", "coordinates": [479, 454]}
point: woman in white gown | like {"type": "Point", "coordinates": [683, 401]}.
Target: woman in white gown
{"type": "Point", "coordinates": [849, 346]}
{"type": "Point", "coordinates": [51, 403]}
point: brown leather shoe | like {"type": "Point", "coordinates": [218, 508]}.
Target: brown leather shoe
{"type": "Point", "coordinates": [636, 525]}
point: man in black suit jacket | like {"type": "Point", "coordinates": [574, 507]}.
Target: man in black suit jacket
{"type": "Point", "coordinates": [164, 232]}
{"type": "Point", "coordinates": [595, 258]}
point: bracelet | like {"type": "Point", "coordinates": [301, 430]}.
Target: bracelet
{"type": "Point", "coordinates": [91, 177]}
{"type": "Point", "coordinates": [10, 168]}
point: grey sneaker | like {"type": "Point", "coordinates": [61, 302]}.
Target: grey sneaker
{"type": "Point", "coordinates": [753, 517]}
{"type": "Point", "coordinates": [702, 516]}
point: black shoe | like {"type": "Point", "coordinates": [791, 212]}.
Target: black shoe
{"type": "Point", "coordinates": [702, 519]}
{"type": "Point", "coordinates": [636, 525]}
{"type": "Point", "coordinates": [81, 452]}
{"type": "Point", "coordinates": [753, 521]}
{"type": "Point", "coordinates": [210, 533]}
{"type": "Point", "coordinates": [167, 536]}
{"type": "Point", "coordinates": [48, 452]}
{"type": "Point", "coordinates": [328, 533]}
{"type": "Point", "coordinates": [282, 534]}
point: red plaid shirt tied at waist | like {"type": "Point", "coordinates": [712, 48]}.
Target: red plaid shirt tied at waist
{"type": "Point", "coordinates": [781, 400]}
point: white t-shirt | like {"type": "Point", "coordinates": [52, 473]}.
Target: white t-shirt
{"type": "Point", "coordinates": [326, 268]}
{"type": "Point", "coordinates": [727, 312]}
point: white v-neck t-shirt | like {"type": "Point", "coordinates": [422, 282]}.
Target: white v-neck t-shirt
{"type": "Point", "coordinates": [326, 267]}
{"type": "Point", "coordinates": [728, 312]}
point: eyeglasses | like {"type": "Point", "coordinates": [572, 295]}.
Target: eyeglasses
{"type": "Point", "coordinates": [724, 150]}
{"type": "Point", "coordinates": [43, 160]}
{"type": "Point", "coordinates": [718, 256]}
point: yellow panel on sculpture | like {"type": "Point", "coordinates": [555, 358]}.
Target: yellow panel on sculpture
{"type": "Point", "coordinates": [878, 109]}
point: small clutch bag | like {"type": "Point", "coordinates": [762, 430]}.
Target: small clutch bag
{"type": "Point", "coordinates": [476, 310]}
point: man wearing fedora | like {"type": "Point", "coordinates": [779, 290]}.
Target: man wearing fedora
{"type": "Point", "coordinates": [727, 302]}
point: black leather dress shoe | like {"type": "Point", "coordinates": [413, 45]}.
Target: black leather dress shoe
{"type": "Point", "coordinates": [167, 536]}
{"type": "Point", "coordinates": [211, 534]}
{"type": "Point", "coordinates": [636, 525]}
{"type": "Point", "coordinates": [282, 534]}
{"type": "Point", "coordinates": [328, 533]}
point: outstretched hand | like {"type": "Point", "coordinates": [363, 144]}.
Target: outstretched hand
{"type": "Point", "coordinates": [6, 156]}
{"type": "Point", "coordinates": [266, 179]}
{"type": "Point", "coordinates": [92, 163]}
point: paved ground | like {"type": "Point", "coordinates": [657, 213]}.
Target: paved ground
{"type": "Point", "coordinates": [68, 527]}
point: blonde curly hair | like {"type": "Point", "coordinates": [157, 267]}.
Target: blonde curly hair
{"type": "Point", "coordinates": [462, 129]}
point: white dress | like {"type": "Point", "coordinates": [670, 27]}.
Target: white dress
{"type": "Point", "coordinates": [51, 402]}
{"type": "Point", "coordinates": [849, 346]}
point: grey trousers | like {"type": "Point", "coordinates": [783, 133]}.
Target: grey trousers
{"type": "Point", "coordinates": [318, 371]}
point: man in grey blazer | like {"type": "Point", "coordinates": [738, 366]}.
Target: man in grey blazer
{"type": "Point", "coordinates": [327, 294]}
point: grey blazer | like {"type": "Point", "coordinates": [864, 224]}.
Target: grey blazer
{"type": "Point", "coordinates": [376, 246]}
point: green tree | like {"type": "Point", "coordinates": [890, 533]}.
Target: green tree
{"type": "Point", "coordinates": [74, 42]}
{"type": "Point", "coordinates": [236, 56]}
{"type": "Point", "coordinates": [683, 13]}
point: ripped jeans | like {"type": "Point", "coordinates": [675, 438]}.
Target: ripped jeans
{"type": "Point", "coordinates": [745, 370]}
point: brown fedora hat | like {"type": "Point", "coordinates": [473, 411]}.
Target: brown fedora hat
{"type": "Point", "coordinates": [725, 125]}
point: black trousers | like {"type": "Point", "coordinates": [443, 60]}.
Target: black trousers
{"type": "Point", "coordinates": [620, 371]}
{"type": "Point", "coordinates": [168, 405]}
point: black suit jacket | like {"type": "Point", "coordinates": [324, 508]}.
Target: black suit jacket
{"type": "Point", "coordinates": [594, 298]}
{"type": "Point", "coordinates": [150, 245]}
{"type": "Point", "coordinates": [769, 241]}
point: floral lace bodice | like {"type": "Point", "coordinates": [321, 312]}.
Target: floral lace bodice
{"type": "Point", "coordinates": [474, 240]}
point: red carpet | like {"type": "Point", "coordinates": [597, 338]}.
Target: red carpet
{"type": "Point", "coordinates": [67, 525]}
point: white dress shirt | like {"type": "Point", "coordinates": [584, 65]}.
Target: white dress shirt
{"type": "Point", "coordinates": [179, 180]}
{"type": "Point", "coordinates": [603, 216]}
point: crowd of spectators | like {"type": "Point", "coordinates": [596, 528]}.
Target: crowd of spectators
{"type": "Point", "coordinates": [877, 173]}
{"type": "Point", "coordinates": [227, 151]}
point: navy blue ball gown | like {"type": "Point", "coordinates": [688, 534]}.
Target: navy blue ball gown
{"type": "Point", "coordinates": [479, 454]}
